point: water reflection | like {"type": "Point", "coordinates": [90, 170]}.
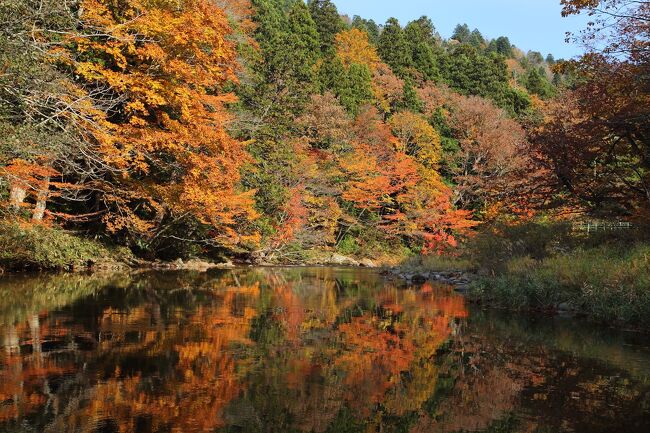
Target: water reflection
{"type": "Point", "coordinates": [300, 350]}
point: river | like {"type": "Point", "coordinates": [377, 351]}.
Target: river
{"type": "Point", "coordinates": [301, 350]}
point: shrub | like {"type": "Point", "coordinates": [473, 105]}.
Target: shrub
{"type": "Point", "coordinates": [437, 263]}
{"type": "Point", "coordinates": [47, 248]}
{"type": "Point", "coordinates": [348, 246]}
{"type": "Point", "coordinates": [608, 283]}
{"type": "Point", "coordinates": [494, 246]}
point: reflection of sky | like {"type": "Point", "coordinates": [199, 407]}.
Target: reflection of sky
{"type": "Point", "coordinates": [530, 24]}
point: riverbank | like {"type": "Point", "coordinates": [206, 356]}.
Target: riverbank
{"type": "Point", "coordinates": [608, 284]}
{"type": "Point", "coordinates": [550, 269]}
{"type": "Point", "coordinates": [610, 287]}
{"type": "Point", "coordinates": [523, 268]}
{"type": "Point", "coordinates": [28, 248]}
{"type": "Point", "coordinates": [41, 248]}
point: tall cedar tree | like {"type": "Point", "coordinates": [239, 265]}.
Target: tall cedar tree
{"type": "Point", "coordinates": [285, 71]}
{"type": "Point", "coordinates": [328, 22]}
{"type": "Point", "coordinates": [422, 40]}
{"type": "Point", "coordinates": [393, 48]}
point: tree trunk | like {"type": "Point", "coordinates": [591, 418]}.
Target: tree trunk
{"type": "Point", "coordinates": [41, 200]}
{"type": "Point", "coordinates": [17, 195]}
{"type": "Point", "coordinates": [35, 333]}
{"type": "Point", "coordinates": [10, 340]}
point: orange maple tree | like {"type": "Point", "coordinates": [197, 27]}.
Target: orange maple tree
{"type": "Point", "coordinates": [405, 190]}
{"type": "Point", "coordinates": [158, 69]}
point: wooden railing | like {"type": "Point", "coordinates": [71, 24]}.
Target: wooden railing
{"type": "Point", "coordinates": [600, 226]}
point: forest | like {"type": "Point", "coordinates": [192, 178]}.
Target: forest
{"type": "Point", "coordinates": [284, 132]}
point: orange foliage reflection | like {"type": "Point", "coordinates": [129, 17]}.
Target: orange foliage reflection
{"type": "Point", "coordinates": [178, 359]}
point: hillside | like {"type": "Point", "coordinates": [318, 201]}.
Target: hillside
{"type": "Point", "coordinates": [274, 128]}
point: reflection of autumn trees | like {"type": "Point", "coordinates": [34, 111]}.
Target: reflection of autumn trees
{"type": "Point", "coordinates": [23, 389]}
{"type": "Point", "coordinates": [20, 393]}
{"type": "Point", "coordinates": [22, 296]}
{"type": "Point", "coordinates": [491, 377]}
{"type": "Point", "coordinates": [436, 320]}
{"type": "Point", "coordinates": [375, 359]}
{"type": "Point", "coordinates": [403, 337]}
{"type": "Point", "coordinates": [168, 369]}
{"type": "Point", "coordinates": [287, 350]}
{"type": "Point", "coordinates": [368, 349]}
{"type": "Point", "coordinates": [481, 393]}
{"type": "Point", "coordinates": [200, 382]}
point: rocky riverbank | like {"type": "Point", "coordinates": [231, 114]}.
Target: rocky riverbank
{"type": "Point", "coordinates": [204, 265]}
{"type": "Point", "coordinates": [460, 280]}
{"type": "Point", "coordinates": [312, 258]}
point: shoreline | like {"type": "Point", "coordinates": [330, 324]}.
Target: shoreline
{"type": "Point", "coordinates": [463, 282]}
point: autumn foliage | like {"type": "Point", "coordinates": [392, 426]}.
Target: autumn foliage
{"type": "Point", "coordinates": [155, 117]}
{"type": "Point", "coordinates": [353, 46]}
{"type": "Point", "coordinates": [168, 147]}
{"type": "Point", "coordinates": [266, 127]}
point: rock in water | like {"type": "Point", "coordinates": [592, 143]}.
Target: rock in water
{"type": "Point", "coordinates": [418, 279]}
{"type": "Point", "coordinates": [225, 265]}
{"type": "Point", "coordinates": [338, 259]}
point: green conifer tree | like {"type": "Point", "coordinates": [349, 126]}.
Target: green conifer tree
{"type": "Point", "coordinates": [410, 100]}
{"type": "Point", "coordinates": [476, 39]}
{"type": "Point", "coordinates": [328, 23]}
{"type": "Point", "coordinates": [394, 49]}
{"type": "Point", "coordinates": [284, 75]}
{"type": "Point", "coordinates": [462, 33]}
{"type": "Point", "coordinates": [503, 46]}
{"type": "Point", "coordinates": [356, 89]}
{"type": "Point", "coordinates": [537, 83]}
{"type": "Point", "coordinates": [368, 26]}
{"type": "Point", "coordinates": [471, 72]}
{"type": "Point", "coordinates": [422, 40]}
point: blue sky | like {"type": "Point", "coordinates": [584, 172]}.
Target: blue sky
{"type": "Point", "coordinates": [530, 24]}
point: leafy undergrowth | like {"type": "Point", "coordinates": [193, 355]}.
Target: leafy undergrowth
{"type": "Point", "coordinates": [608, 284]}
{"type": "Point", "coordinates": [548, 266]}
{"type": "Point", "coordinates": [436, 263]}
{"type": "Point", "coordinates": [38, 247]}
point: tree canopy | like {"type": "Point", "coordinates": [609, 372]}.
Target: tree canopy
{"type": "Point", "coordinates": [274, 125]}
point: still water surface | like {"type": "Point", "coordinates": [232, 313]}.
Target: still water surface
{"type": "Point", "coordinates": [301, 350]}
